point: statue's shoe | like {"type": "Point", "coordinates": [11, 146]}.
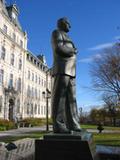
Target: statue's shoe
{"type": "Point", "coordinates": [62, 131]}
{"type": "Point", "coordinates": [77, 129]}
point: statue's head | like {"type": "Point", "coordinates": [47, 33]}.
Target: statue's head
{"type": "Point", "coordinates": [63, 24]}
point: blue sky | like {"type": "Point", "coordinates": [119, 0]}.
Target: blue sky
{"type": "Point", "coordinates": [94, 26]}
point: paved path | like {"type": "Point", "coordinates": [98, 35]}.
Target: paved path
{"type": "Point", "coordinates": [26, 131]}
{"type": "Point", "coordinates": [22, 131]}
{"type": "Point", "coordinates": [104, 131]}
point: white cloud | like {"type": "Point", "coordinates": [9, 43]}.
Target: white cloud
{"type": "Point", "coordinates": [117, 37]}
{"type": "Point", "coordinates": [101, 46]}
{"type": "Point", "coordinates": [86, 60]}
{"type": "Point", "coordinates": [90, 59]}
{"type": "Point", "coordinates": [97, 56]}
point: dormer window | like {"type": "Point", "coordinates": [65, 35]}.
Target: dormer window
{"type": "Point", "coordinates": [31, 58]}
{"type": "Point", "coordinates": [28, 56]}
{"type": "Point", "coordinates": [35, 61]}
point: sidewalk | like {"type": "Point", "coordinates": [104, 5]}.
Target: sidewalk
{"type": "Point", "coordinates": [26, 131]}
{"type": "Point", "coordinates": [22, 131]}
{"type": "Point", "coordinates": [104, 131]}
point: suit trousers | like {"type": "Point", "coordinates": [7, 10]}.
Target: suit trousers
{"type": "Point", "coordinates": [64, 106]}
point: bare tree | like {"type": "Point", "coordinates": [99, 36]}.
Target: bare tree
{"type": "Point", "coordinates": [111, 104]}
{"type": "Point", "coordinates": [106, 72]}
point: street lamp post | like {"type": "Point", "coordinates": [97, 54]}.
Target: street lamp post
{"type": "Point", "coordinates": [47, 121]}
{"type": "Point", "coordinates": [5, 102]}
{"type": "Point", "coordinates": [48, 95]}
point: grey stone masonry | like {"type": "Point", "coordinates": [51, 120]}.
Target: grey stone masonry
{"type": "Point", "coordinates": [25, 150]}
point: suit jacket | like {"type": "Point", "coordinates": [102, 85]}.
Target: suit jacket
{"type": "Point", "coordinates": [63, 53]}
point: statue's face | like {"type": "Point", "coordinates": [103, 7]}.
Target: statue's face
{"type": "Point", "coordinates": [66, 26]}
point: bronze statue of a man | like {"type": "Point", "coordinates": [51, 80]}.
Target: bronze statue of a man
{"type": "Point", "coordinates": [64, 106]}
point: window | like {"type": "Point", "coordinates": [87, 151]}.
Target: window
{"type": "Point", "coordinates": [28, 91]}
{"type": "Point", "coordinates": [35, 93]}
{"type": "Point", "coordinates": [38, 109]}
{"type": "Point", "coordinates": [38, 64]}
{"type": "Point", "coordinates": [31, 58]}
{"type": "Point", "coordinates": [3, 53]}
{"type": "Point", "coordinates": [35, 108]}
{"type": "Point", "coordinates": [12, 59]}
{"type": "Point", "coordinates": [1, 99]}
{"type": "Point", "coordinates": [41, 66]}
{"type": "Point", "coordinates": [49, 85]}
{"type": "Point", "coordinates": [43, 95]}
{"type": "Point", "coordinates": [28, 108]}
{"type": "Point", "coordinates": [14, 36]}
{"type": "Point", "coordinates": [44, 110]}
{"type": "Point", "coordinates": [18, 106]}
{"type": "Point", "coordinates": [5, 28]}
{"type": "Point", "coordinates": [28, 56]}
{"type": "Point", "coordinates": [21, 43]}
{"type": "Point", "coordinates": [41, 110]}
{"type": "Point", "coordinates": [36, 78]}
{"type": "Point", "coordinates": [20, 64]}
{"type": "Point", "coordinates": [31, 108]}
{"type": "Point", "coordinates": [39, 94]}
{"type": "Point", "coordinates": [11, 81]}
{"type": "Point", "coordinates": [32, 76]}
{"type": "Point", "coordinates": [32, 92]}
{"type": "Point", "coordinates": [42, 82]}
{"type": "Point", "coordinates": [1, 76]}
{"type": "Point", "coordinates": [28, 74]}
{"type": "Point", "coordinates": [35, 61]}
{"type": "Point", "coordinates": [19, 85]}
{"type": "Point", "coordinates": [49, 111]}
{"type": "Point", "coordinates": [39, 80]}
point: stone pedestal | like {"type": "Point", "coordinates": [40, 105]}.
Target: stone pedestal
{"type": "Point", "coordinates": [65, 147]}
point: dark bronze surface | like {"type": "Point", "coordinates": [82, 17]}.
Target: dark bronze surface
{"type": "Point", "coordinates": [65, 147]}
{"type": "Point", "coordinates": [64, 105]}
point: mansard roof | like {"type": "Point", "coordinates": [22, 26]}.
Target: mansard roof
{"type": "Point", "coordinates": [15, 21]}
{"type": "Point", "coordinates": [4, 10]}
{"type": "Point", "coordinates": [7, 11]}
{"type": "Point", "coordinates": [37, 61]}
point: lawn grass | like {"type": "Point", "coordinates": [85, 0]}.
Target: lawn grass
{"type": "Point", "coordinates": [34, 135]}
{"type": "Point", "coordinates": [86, 126]}
{"type": "Point", "coordinates": [111, 139]}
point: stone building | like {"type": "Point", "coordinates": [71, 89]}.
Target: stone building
{"type": "Point", "coordinates": [24, 77]}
